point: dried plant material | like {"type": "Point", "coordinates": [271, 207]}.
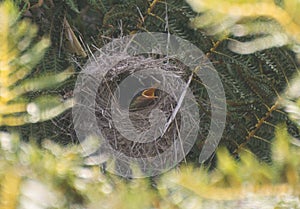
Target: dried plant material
{"type": "Point", "coordinates": [73, 43]}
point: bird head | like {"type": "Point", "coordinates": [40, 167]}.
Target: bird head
{"type": "Point", "coordinates": [143, 99]}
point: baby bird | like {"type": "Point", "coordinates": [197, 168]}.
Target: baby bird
{"type": "Point", "coordinates": [143, 99]}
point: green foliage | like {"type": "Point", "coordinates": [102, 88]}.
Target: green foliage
{"type": "Point", "coordinates": [73, 5]}
{"type": "Point", "coordinates": [47, 175]}
{"type": "Point", "coordinates": [52, 176]}
{"type": "Point", "coordinates": [252, 82]}
{"type": "Point", "coordinates": [246, 180]}
{"type": "Point", "coordinates": [250, 27]}
{"type": "Point", "coordinates": [291, 102]}
{"type": "Point", "coordinates": [273, 23]}
{"type": "Point", "coordinates": [54, 99]}
{"type": "Point", "coordinates": [18, 57]}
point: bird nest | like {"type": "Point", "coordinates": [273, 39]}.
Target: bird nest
{"type": "Point", "coordinates": [133, 126]}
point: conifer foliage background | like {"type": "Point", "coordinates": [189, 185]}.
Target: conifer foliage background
{"type": "Point", "coordinates": [36, 90]}
{"type": "Point", "coordinates": [253, 82]}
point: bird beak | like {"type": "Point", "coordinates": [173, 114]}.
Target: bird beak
{"type": "Point", "coordinates": [149, 93]}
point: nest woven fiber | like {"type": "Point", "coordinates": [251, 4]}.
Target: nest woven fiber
{"type": "Point", "coordinates": [161, 107]}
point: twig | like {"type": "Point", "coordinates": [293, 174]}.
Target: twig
{"type": "Point", "coordinates": [178, 105]}
{"type": "Point", "coordinates": [260, 122]}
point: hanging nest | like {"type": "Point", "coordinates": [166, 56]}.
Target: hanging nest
{"type": "Point", "coordinates": [147, 118]}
